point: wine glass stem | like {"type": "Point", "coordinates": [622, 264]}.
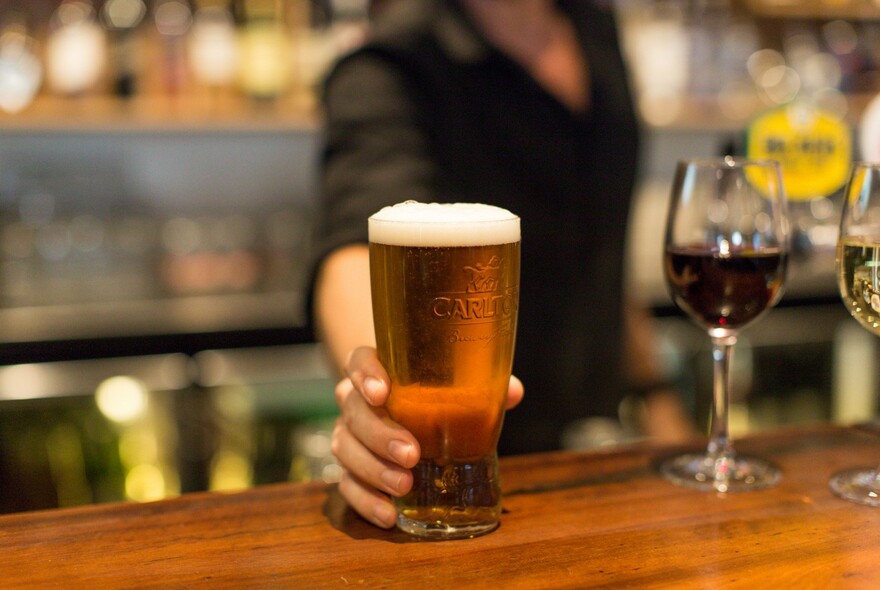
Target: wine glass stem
{"type": "Point", "coordinates": [720, 447]}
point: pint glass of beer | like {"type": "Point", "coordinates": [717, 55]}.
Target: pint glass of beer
{"type": "Point", "coordinates": [445, 290]}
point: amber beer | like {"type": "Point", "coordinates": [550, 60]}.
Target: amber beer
{"type": "Point", "coordinates": [445, 289]}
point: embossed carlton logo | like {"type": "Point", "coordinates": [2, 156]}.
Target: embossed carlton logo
{"type": "Point", "coordinates": [484, 277]}
{"type": "Point", "coordinates": [485, 297]}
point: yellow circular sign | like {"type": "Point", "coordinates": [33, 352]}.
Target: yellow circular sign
{"type": "Point", "coordinates": [813, 147]}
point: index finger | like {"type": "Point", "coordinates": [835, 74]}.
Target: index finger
{"type": "Point", "coordinates": [368, 375]}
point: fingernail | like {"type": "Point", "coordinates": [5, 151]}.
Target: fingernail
{"type": "Point", "coordinates": [384, 515]}
{"type": "Point", "coordinates": [373, 387]}
{"type": "Point", "coordinates": [391, 479]}
{"type": "Point", "coordinates": [401, 452]}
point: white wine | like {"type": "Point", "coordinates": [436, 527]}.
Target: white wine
{"type": "Point", "coordinates": [858, 264]}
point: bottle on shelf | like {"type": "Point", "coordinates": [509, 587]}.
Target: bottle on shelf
{"type": "Point", "coordinates": [76, 49]}
{"type": "Point", "coordinates": [21, 71]}
{"type": "Point", "coordinates": [173, 19]}
{"type": "Point", "coordinates": [265, 44]}
{"type": "Point", "coordinates": [122, 18]}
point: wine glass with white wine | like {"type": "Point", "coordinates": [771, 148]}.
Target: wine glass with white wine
{"type": "Point", "coordinates": [858, 275]}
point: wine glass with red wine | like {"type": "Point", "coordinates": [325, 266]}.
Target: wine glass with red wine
{"type": "Point", "coordinates": [858, 274]}
{"type": "Point", "coordinates": [725, 255]}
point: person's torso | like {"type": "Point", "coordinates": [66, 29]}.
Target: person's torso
{"type": "Point", "coordinates": [499, 137]}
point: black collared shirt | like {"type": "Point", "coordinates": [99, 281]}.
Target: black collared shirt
{"type": "Point", "coordinates": [428, 110]}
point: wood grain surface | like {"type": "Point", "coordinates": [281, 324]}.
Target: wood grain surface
{"type": "Point", "coordinates": [571, 520]}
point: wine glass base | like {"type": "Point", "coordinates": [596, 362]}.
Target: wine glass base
{"type": "Point", "coordinates": [733, 474]}
{"type": "Point", "coordinates": [857, 485]}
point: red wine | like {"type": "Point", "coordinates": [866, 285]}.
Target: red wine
{"type": "Point", "coordinates": [724, 290]}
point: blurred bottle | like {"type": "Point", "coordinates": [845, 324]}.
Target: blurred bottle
{"type": "Point", "coordinates": [658, 45]}
{"type": "Point", "coordinates": [76, 49]}
{"type": "Point", "coordinates": [21, 72]}
{"type": "Point", "coordinates": [212, 49]}
{"type": "Point", "coordinates": [265, 42]}
{"type": "Point", "coordinates": [173, 19]}
{"type": "Point", "coordinates": [323, 29]}
{"type": "Point", "coordinates": [122, 18]}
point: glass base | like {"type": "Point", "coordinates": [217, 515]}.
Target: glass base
{"type": "Point", "coordinates": [440, 531]}
{"type": "Point", "coordinates": [857, 485]}
{"type": "Point", "coordinates": [451, 500]}
{"type": "Point", "coordinates": [726, 474]}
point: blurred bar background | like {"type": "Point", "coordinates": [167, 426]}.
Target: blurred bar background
{"type": "Point", "coordinates": [157, 182]}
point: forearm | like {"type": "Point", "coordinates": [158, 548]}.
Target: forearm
{"type": "Point", "coordinates": [343, 309]}
{"type": "Point", "coordinates": [665, 418]}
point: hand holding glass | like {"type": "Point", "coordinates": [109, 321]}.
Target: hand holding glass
{"type": "Point", "coordinates": [858, 272]}
{"type": "Point", "coordinates": [725, 259]}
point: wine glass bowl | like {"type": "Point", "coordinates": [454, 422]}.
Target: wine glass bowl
{"type": "Point", "coordinates": [858, 273]}
{"type": "Point", "coordinates": [725, 258]}
{"type": "Point", "coordinates": [724, 289]}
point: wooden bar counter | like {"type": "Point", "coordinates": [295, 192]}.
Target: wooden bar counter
{"type": "Point", "coordinates": [572, 520]}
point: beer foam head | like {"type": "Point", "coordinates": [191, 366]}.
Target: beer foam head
{"type": "Point", "coordinates": [443, 224]}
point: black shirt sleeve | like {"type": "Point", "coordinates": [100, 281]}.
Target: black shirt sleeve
{"type": "Point", "coordinates": [375, 152]}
